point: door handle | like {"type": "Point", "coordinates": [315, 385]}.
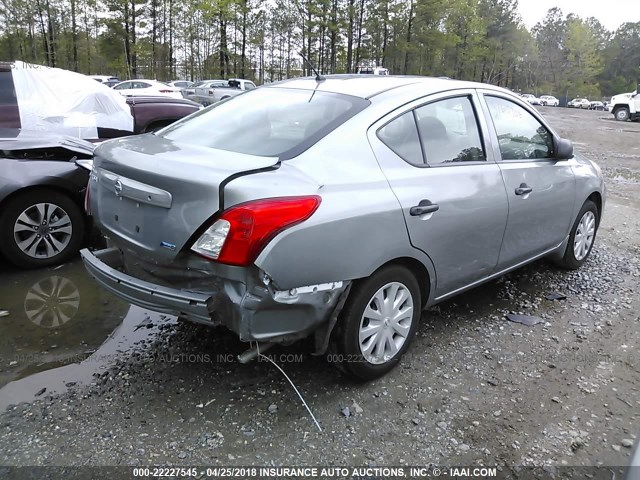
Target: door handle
{"type": "Point", "coordinates": [424, 207]}
{"type": "Point", "coordinates": [523, 189]}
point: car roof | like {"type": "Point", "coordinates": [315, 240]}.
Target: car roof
{"type": "Point", "coordinates": [367, 86]}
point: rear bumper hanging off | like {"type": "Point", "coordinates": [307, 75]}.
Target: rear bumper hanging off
{"type": "Point", "coordinates": [256, 312]}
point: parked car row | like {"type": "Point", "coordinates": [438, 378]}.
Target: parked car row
{"type": "Point", "coordinates": [212, 91]}
{"type": "Point", "coordinates": [205, 92]}
{"type": "Point", "coordinates": [551, 101]}
{"type": "Point", "coordinates": [67, 103]}
{"type": "Point", "coordinates": [587, 104]}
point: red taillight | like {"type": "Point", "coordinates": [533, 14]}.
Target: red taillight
{"type": "Point", "coordinates": [253, 224]}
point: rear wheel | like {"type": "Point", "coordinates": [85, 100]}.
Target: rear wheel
{"type": "Point", "coordinates": [622, 114]}
{"type": "Point", "coordinates": [39, 228]}
{"type": "Point", "coordinates": [377, 323]}
{"type": "Point", "coordinates": [582, 237]}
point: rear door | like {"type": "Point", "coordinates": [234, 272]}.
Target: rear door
{"type": "Point", "coordinates": [541, 189]}
{"type": "Point", "coordinates": [9, 111]}
{"type": "Point", "coordinates": [434, 154]}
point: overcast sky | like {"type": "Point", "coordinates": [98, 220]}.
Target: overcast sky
{"type": "Point", "coordinates": [611, 13]}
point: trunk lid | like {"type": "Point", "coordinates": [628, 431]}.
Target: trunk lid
{"type": "Point", "coordinates": [153, 194]}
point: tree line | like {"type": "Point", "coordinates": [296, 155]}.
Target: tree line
{"type": "Point", "coordinates": [480, 40]}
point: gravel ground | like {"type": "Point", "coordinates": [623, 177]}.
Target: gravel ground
{"type": "Point", "coordinates": [475, 388]}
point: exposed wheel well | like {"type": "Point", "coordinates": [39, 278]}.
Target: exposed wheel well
{"type": "Point", "coordinates": [596, 198]}
{"type": "Point", "coordinates": [419, 271]}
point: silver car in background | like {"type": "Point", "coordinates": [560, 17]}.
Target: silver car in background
{"type": "Point", "coordinates": [338, 208]}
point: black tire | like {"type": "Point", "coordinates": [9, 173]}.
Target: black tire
{"type": "Point", "coordinates": [346, 353]}
{"type": "Point", "coordinates": [569, 261]}
{"type": "Point", "coordinates": [622, 114]}
{"type": "Point", "coordinates": [19, 204]}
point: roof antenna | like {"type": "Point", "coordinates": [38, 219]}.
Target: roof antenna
{"type": "Point", "coordinates": [319, 78]}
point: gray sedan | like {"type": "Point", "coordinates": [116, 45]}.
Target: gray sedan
{"type": "Point", "coordinates": [340, 208]}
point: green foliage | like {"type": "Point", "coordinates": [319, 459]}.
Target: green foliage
{"type": "Point", "coordinates": [481, 40]}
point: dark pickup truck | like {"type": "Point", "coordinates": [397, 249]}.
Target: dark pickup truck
{"type": "Point", "coordinates": [149, 113]}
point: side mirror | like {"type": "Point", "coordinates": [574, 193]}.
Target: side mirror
{"type": "Point", "coordinates": [564, 149]}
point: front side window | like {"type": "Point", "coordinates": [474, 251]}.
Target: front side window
{"type": "Point", "coordinates": [123, 86]}
{"type": "Point", "coordinates": [520, 135]}
{"type": "Point", "coordinates": [249, 86]}
{"type": "Point", "coordinates": [401, 136]}
{"type": "Point", "coordinates": [278, 122]}
{"type": "Point", "coordinates": [449, 131]}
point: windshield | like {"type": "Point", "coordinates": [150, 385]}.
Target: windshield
{"type": "Point", "coordinates": [272, 122]}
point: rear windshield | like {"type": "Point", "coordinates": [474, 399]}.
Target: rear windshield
{"type": "Point", "coordinates": [272, 122]}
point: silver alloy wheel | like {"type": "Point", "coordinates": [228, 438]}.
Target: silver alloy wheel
{"type": "Point", "coordinates": [52, 301]}
{"type": "Point", "coordinates": [584, 235]}
{"type": "Point", "coordinates": [43, 230]}
{"type": "Point", "coordinates": [386, 323]}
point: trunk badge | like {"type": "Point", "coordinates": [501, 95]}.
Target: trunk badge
{"type": "Point", "coordinates": [118, 187]}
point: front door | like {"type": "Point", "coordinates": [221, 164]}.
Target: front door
{"type": "Point", "coordinates": [541, 189]}
{"type": "Point", "coordinates": [450, 189]}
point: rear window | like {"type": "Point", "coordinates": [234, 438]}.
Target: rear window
{"type": "Point", "coordinates": [273, 122]}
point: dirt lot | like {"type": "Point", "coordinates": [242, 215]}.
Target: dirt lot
{"type": "Point", "coordinates": [474, 389]}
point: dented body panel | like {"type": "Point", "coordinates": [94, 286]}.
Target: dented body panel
{"type": "Point", "coordinates": [234, 297]}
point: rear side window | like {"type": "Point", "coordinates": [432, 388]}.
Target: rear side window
{"type": "Point", "coordinates": [7, 90]}
{"type": "Point", "coordinates": [449, 131]}
{"type": "Point", "coordinates": [271, 122]}
{"type": "Point", "coordinates": [401, 136]}
{"type": "Point", "coordinates": [520, 135]}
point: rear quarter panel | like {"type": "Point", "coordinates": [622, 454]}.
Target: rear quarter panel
{"type": "Point", "coordinates": [359, 225]}
{"type": "Point", "coordinates": [588, 181]}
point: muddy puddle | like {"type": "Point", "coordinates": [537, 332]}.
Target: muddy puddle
{"type": "Point", "coordinates": [61, 328]}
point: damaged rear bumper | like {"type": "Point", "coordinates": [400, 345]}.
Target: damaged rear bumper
{"type": "Point", "coordinates": [144, 294]}
{"type": "Point", "coordinates": [253, 309]}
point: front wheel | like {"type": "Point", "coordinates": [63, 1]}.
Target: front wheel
{"type": "Point", "coordinates": [377, 323]}
{"type": "Point", "coordinates": [622, 114]}
{"type": "Point", "coordinates": [40, 228]}
{"type": "Point", "coordinates": [582, 237]}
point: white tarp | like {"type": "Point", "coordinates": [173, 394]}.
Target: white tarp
{"type": "Point", "coordinates": [67, 103]}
